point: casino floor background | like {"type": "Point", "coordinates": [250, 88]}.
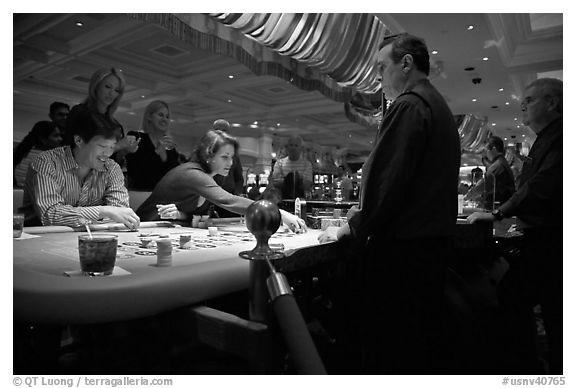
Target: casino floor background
{"type": "Point", "coordinates": [207, 69]}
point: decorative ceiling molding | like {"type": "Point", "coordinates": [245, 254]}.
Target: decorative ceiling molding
{"type": "Point", "coordinates": [210, 35]}
{"type": "Point", "coordinates": [343, 46]}
{"type": "Point", "coordinates": [523, 50]}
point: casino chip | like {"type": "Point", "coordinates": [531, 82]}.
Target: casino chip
{"type": "Point", "coordinates": [145, 253]}
{"type": "Point", "coordinates": [201, 245]}
{"type": "Point", "coordinates": [132, 243]}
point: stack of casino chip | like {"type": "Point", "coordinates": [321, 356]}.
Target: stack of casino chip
{"type": "Point", "coordinates": [185, 240]}
{"type": "Point", "coordinates": [164, 252]}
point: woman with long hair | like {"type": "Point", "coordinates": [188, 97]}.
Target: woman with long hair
{"type": "Point", "coordinates": [189, 189]}
{"type": "Point", "coordinates": [105, 92]}
{"type": "Point", "coordinates": [156, 154]}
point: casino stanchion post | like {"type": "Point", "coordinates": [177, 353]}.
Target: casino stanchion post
{"type": "Point", "coordinates": [263, 219]}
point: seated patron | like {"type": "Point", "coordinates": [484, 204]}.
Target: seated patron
{"type": "Point", "coordinates": [77, 184]}
{"type": "Point", "coordinates": [234, 181]}
{"type": "Point", "coordinates": [44, 136]}
{"type": "Point", "coordinates": [292, 175]}
{"type": "Point", "coordinates": [189, 189]}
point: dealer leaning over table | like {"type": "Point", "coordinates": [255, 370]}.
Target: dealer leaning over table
{"type": "Point", "coordinates": [78, 183]}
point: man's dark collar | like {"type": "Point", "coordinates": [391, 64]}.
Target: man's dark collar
{"type": "Point", "coordinates": [551, 124]}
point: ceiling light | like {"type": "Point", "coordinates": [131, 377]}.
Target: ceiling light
{"type": "Point", "coordinates": [518, 127]}
{"type": "Point", "coordinates": [434, 52]}
{"type": "Point", "coordinates": [79, 24]}
{"type": "Point", "coordinates": [255, 123]}
{"type": "Point", "coordinates": [515, 118]}
{"type": "Point", "coordinates": [230, 76]}
{"type": "Point", "coordinates": [277, 124]}
{"type": "Point", "coordinates": [236, 125]}
{"type": "Point", "coordinates": [523, 135]}
{"type": "Point", "coordinates": [485, 58]}
{"type": "Point", "coordinates": [493, 124]}
{"type": "Point", "coordinates": [229, 100]}
{"type": "Point", "coordinates": [142, 96]}
{"type": "Point", "coordinates": [474, 100]}
{"type": "Point", "coordinates": [505, 138]}
{"type": "Point", "coordinates": [501, 89]}
{"type": "Point", "coordinates": [507, 103]}
{"type": "Point", "coordinates": [253, 126]}
{"type": "Point", "coordinates": [470, 27]}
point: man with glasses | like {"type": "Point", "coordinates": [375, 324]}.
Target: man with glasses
{"type": "Point", "coordinates": [407, 216]}
{"type": "Point", "coordinates": [537, 204]}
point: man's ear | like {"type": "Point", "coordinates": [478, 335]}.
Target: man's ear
{"type": "Point", "coordinates": [407, 63]}
{"type": "Point", "coordinates": [78, 140]}
{"type": "Point", "coordinates": [553, 103]}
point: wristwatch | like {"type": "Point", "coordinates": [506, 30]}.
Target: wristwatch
{"type": "Point", "coordinates": [497, 214]}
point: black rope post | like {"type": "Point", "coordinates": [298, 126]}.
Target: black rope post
{"type": "Point", "coordinates": [263, 219]}
{"type": "Point", "coordinates": [294, 329]}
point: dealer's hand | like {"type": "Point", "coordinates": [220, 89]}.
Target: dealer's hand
{"type": "Point", "coordinates": [480, 216]}
{"type": "Point", "coordinates": [353, 210]}
{"type": "Point", "coordinates": [330, 234]}
{"type": "Point", "coordinates": [296, 224]}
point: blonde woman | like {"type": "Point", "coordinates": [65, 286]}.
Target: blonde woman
{"type": "Point", "coordinates": [156, 153]}
{"type": "Point", "coordinates": [104, 95]}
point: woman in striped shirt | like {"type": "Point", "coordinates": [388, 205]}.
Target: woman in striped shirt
{"type": "Point", "coordinates": [77, 184]}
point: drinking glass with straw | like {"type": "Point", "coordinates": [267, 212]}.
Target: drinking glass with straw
{"type": "Point", "coordinates": [97, 253]}
{"type": "Point", "coordinates": [88, 230]}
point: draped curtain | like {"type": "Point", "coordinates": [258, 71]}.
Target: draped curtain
{"type": "Point", "coordinates": [473, 132]}
{"type": "Point", "coordinates": [341, 45]}
{"type": "Point", "coordinates": [334, 54]}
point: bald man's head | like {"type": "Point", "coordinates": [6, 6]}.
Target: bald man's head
{"type": "Point", "coordinates": [294, 147]}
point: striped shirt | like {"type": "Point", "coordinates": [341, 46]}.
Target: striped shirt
{"type": "Point", "coordinates": [22, 167]}
{"type": "Point", "coordinates": [54, 194]}
{"type": "Point", "coordinates": [285, 166]}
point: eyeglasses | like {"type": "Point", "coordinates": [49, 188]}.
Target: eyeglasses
{"type": "Point", "coordinates": [528, 100]}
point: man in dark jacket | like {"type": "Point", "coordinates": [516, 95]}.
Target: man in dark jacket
{"type": "Point", "coordinates": [537, 204]}
{"type": "Point", "coordinates": [407, 215]}
{"type": "Point", "coordinates": [497, 185]}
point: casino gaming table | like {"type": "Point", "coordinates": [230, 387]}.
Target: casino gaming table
{"type": "Point", "coordinates": [48, 288]}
